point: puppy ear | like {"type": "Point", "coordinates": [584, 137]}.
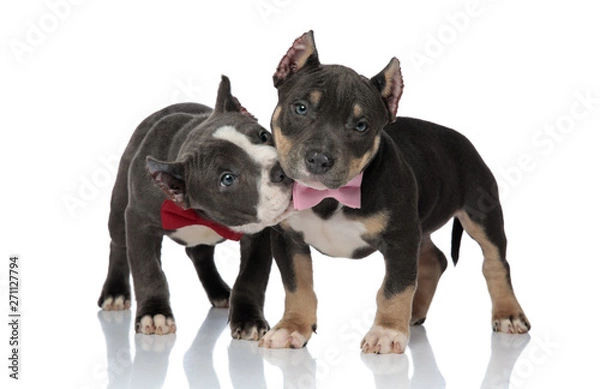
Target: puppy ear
{"type": "Point", "coordinates": [302, 53]}
{"type": "Point", "coordinates": [169, 176]}
{"type": "Point", "coordinates": [389, 83]}
{"type": "Point", "coordinates": [226, 102]}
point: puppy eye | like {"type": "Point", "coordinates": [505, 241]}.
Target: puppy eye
{"type": "Point", "coordinates": [361, 126]}
{"type": "Point", "coordinates": [227, 179]}
{"type": "Point", "coordinates": [300, 109]}
{"type": "Point", "coordinates": [264, 136]}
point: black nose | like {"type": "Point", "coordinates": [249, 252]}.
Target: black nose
{"type": "Point", "coordinates": [318, 162]}
{"type": "Point", "coordinates": [277, 176]}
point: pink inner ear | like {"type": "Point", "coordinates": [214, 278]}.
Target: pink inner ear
{"type": "Point", "coordinates": [243, 110]}
{"type": "Point", "coordinates": [395, 93]}
{"type": "Point", "coordinates": [289, 63]}
{"type": "Point", "coordinates": [164, 181]}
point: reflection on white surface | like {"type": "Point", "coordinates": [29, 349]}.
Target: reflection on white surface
{"type": "Point", "coordinates": [506, 349]}
{"type": "Point", "coordinates": [198, 359]}
{"type": "Point", "coordinates": [115, 327]}
{"type": "Point", "coordinates": [392, 371]}
{"type": "Point", "coordinates": [299, 369]}
{"type": "Point", "coordinates": [151, 362]}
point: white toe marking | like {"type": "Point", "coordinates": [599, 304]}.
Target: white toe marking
{"type": "Point", "coordinates": [383, 340]}
{"type": "Point", "coordinates": [281, 338]}
{"type": "Point", "coordinates": [115, 304]}
{"type": "Point", "coordinates": [107, 304]}
{"type": "Point", "coordinates": [146, 325]}
{"type": "Point", "coordinates": [119, 303]}
{"type": "Point", "coordinates": [224, 303]}
{"type": "Point", "coordinates": [159, 325]}
{"type": "Point", "coordinates": [507, 326]}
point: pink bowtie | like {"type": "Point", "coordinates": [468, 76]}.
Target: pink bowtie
{"type": "Point", "coordinates": [349, 194]}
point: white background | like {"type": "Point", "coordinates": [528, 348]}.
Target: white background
{"type": "Point", "coordinates": [76, 78]}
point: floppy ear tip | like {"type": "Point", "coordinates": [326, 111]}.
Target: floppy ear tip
{"type": "Point", "coordinates": [152, 165]}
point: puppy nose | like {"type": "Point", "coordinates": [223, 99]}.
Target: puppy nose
{"type": "Point", "coordinates": [277, 176]}
{"type": "Point", "coordinates": [318, 162]}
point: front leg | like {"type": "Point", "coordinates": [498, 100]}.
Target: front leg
{"type": "Point", "coordinates": [246, 317]}
{"type": "Point", "coordinates": [299, 320]}
{"type": "Point", "coordinates": [390, 330]}
{"type": "Point", "coordinates": [144, 239]}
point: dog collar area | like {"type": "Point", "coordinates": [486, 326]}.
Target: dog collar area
{"type": "Point", "coordinates": [349, 195]}
{"type": "Point", "coordinates": [174, 217]}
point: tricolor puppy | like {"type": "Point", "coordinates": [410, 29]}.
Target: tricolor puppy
{"type": "Point", "coordinates": [367, 181]}
{"type": "Point", "coordinates": [199, 176]}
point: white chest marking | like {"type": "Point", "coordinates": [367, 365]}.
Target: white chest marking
{"type": "Point", "coordinates": [337, 236]}
{"type": "Point", "coordinates": [196, 234]}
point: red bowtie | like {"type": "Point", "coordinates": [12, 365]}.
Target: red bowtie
{"type": "Point", "coordinates": [349, 194]}
{"type": "Point", "coordinates": [174, 217]}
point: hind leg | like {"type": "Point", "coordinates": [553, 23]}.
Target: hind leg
{"type": "Point", "coordinates": [488, 230]}
{"type": "Point", "coordinates": [203, 258]}
{"type": "Point", "coordinates": [116, 292]}
{"type": "Point", "coordinates": [432, 264]}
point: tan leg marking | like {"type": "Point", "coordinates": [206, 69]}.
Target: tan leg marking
{"type": "Point", "coordinates": [358, 164]}
{"type": "Point", "coordinates": [315, 97]}
{"type": "Point", "coordinates": [296, 327]}
{"type": "Point", "coordinates": [430, 271]}
{"type": "Point", "coordinates": [390, 331]}
{"type": "Point", "coordinates": [507, 314]}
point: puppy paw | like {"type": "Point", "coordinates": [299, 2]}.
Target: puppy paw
{"type": "Point", "coordinates": [287, 334]}
{"type": "Point", "coordinates": [249, 330]}
{"type": "Point", "coordinates": [515, 323]}
{"type": "Point", "coordinates": [156, 325]}
{"type": "Point", "coordinates": [283, 338]}
{"type": "Point", "coordinates": [116, 303]}
{"type": "Point", "coordinates": [246, 321]}
{"type": "Point", "coordinates": [382, 340]}
{"type": "Point", "coordinates": [220, 303]}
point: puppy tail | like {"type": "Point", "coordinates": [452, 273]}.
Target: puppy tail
{"type": "Point", "coordinates": [457, 231]}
